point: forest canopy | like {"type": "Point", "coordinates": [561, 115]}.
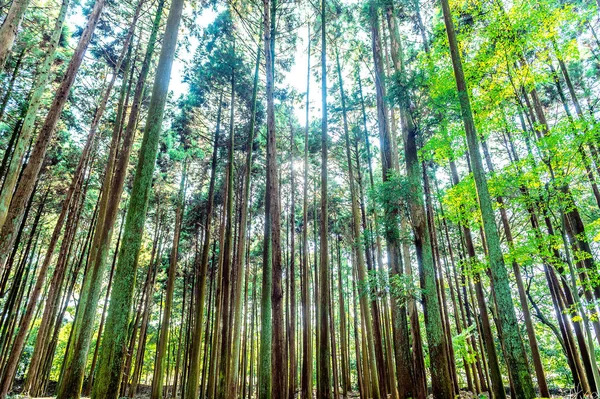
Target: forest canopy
{"type": "Point", "coordinates": [299, 199]}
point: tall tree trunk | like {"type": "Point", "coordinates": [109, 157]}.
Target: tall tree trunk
{"type": "Point", "coordinates": [112, 350]}
{"type": "Point", "coordinates": [346, 384]}
{"type": "Point", "coordinates": [292, 378]}
{"type": "Point", "coordinates": [271, 365]}
{"type": "Point", "coordinates": [159, 368]}
{"type": "Point", "coordinates": [361, 272]}
{"type": "Point", "coordinates": [39, 86]}
{"type": "Point", "coordinates": [324, 353]}
{"type": "Point", "coordinates": [306, 378]}
{"type": "Point", "coordinates": [226, 265]}
{"type": "Point", "coordinates": [38, 154]}
{"type": "Point", "coordinates": [155, 257]}
{"type": "Point", "coordinates": [241, 246]}
{"type": "Point", "coordinates": [201, 269]}
{"type": "Point", "coordinates": [516, 358]}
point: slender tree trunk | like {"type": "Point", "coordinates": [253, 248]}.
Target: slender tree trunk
{"type": "Point", "coordinates": [346, 385]}
{"type": "Point", "coordinates": [324, 353]}
{"type": "Point", "coordinates": [11, 85]}
{"type": "Point", "coordinates": [241, 247]}
{"type": "Point", "coordinates": [224, 359]}
{"type": "Point", "coordinates": [292, 378]}
{"type": "Point", "coordinates": [201, 266]}
{"type": "Point", "coordinates": [90, 381]}
{"type": "Point", "coordinates": [306, 378]}
{"type": "Point", "coordinates": [361, 272]}
{"type": "Point", "coordinates": [271, 365]}
{"type": "Point", "coordinates": [157, 379]}
{"type": "Point", "coordinates": [152, 270]}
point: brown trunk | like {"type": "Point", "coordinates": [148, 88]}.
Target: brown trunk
{"type": "Point", "coordinates": [157, 380]}
{"type": "Point", "coordinates": [37, 156]}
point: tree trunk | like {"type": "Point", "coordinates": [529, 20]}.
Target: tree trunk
{"type": "Point", "coordinates": [159, 368]}
{"type": "Point", "coordinates": [226, 265]}
{"type": "Point", "coordinates": [324, 353]}
{"type": "Point", "coordinates": [306, 378]}
{"type": "Point", "coordinates": [201, 266]}
{"type": "Point", "coordinates": [112, 350]}
{"type": "Point", "coordinates": [9, 28]}
{"type": "Point", "coordinates": [38, 154]}
{"type": "Point", "coordinates": [11, 85]}
{"type": "Point", "coordinates": [39, 86]}
{"type": "Point", "coordinates": [292, 378]}
{"type": "Point", "coordinates": [516, 358]}
{"type": "Point", "coordinates": [241, 246]}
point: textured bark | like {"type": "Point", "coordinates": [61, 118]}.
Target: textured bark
{"type": "Point", "coordinates": [9, 28]}
{"type": "Point", "coordinates": [516, 358]}
{"type": "Point", "coordinates": [110, 365]}
{"type": "Point", "coordinates": [271, 366]}
{"type": "Point", "coordinates": [152, 270]}
{"type": "Point", "coordinates": [441, 380]}
{"type": "Point", "coordinates": [39, 86]}
{"type": "Point", "coordinates": [38, 154]}
{"type": "Point", "coordinates": [90, 380]}
{"type": "Point", "coordinates": [405, 375]}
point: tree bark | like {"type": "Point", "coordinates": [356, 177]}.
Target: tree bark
{"type": "Point", "coordinates": [516, 358]}
{"type": "Point", "coordinates": [324, 354]}
{"type": "Point", "coordinates": [9, 28]}
{"type": "Point", "coordinates": [112, 351]}
{"type": "Point", "coordinates": [38, 154]}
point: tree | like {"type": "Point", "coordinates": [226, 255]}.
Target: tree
{"type": "Point", "coordinates": [517, 361]}
{"type": "Point", "coordinates": [108, 377]}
